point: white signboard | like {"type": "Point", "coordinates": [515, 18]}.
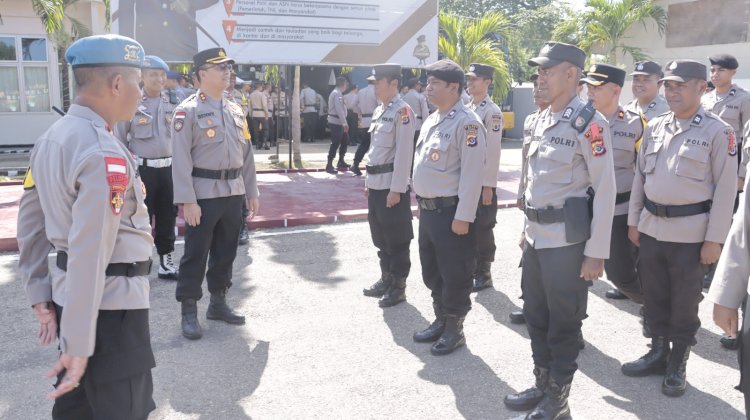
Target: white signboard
{"type": "Point", "coordinates": [308, 32]}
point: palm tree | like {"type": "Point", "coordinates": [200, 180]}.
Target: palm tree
{"type": "Point", "coordinates": [605, 23]}
{"type": "Point", "coordinates": [466, 40]}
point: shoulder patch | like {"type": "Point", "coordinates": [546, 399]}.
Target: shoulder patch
{"type": "Point", "coordinates": [179, 120]}
{"type": "Point", "coordinates": [28, 180]}
{"type": "Point", "coordinates": [697, 119]}
{"type": "Point", "coordinates": [117, 178]}
{"type": "Point", "coordinates": [404, 115]}
{"type": "Point", "coordinates": [568, 113]}
{"type": "Point", "coordinates": [497, 122]}
{"type": "Point", "coordinates": [732, 92]}
{"type": "Point", "coordinates": [472, 131]}
{"type": "Point", "coordinates": [595, 135]}
{"type": "Point", "coordinates": [732, 144]}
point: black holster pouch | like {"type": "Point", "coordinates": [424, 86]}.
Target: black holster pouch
{"type": "Point", "coordinates": [577, 215]}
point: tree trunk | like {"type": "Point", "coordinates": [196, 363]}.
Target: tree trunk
{"type": "Point", "coordinates": [295, 112]}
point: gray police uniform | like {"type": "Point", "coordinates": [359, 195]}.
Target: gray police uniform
{"type": "Point", "coordinates": [390, 157]}
{"type": "Point", "coordinates": [733, 108]}
{"type": "Point", "coordinates": [448, 170]}
{"type": "Point", "coordinates": [214, 167]}
{"type": "Point", "coordinates": [259, 118]}
{"type": "Point", "coordinates": [564, 165]}
{"type": "Point", "coordinates": [655, 108]}
{"type": "Point", "coordinates": [626, 128]}
{"type": "Point", "coordinates": [308, 100]}
{"type": "Point", "coordinates": [683, 191]}
{"type": "Point", "coordinates": [336, 122]}
{"type": "Point", "coordinates": [365, 107]}
{"type": "Point", "coordinates": [148, 137]}
{"type": "Point", "coordinates": [528, 135]}
{"type": "Point", "coordinates": [418, 104]}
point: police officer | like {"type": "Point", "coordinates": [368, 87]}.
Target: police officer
{"type": "Point", "coordinates": [84, 198]}
{"type": "Point", "coordinates": [387, 183]}
{"type": "Point", "coordinates": [259, 116]}
{"type": "Point", "coordinates": [648, 102]}
{"type": "Point", "coordinates": [214, 172]}
{"type": "Point", "coordinates": [418, 104]}
{"type": "Point", "coordinates": [308, 100]}
{"type": "Point", "coordinates": [569, 157]}
{"type": "Point", "coordinates": [271, 114]}
{"type": "Point", "coordinates": [278, 97]}
{"type": "Point", "coordinates": [147, 136]}
{"type": "Point", "coordinates": [605, 84]}
{"type": "Point", "coordinates": [729, 291]}
{"type": "Point", "coordinates": [448, 169]}
{"type": "Point", "coordinates": [338, 126]}
{"type": "Point", "coordinates": [364, 106]}
{"type": "Point", "coordinates": [478, 81]}
{"type": "Point", "coordinates": [680, 211]}
{"type": "Point", "coordinates": [174, 90]}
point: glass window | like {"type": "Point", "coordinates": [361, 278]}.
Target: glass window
{"type": "Point", "coordinates": [34, 49]}
{"type": "Point", "coordinates": [37, 89]}
{"type": "Point", "coordinates": [10, 100]}
{"type": "Point", "coordinates": [7, 48]}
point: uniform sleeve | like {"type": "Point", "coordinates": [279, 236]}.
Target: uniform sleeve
{"type": "Point", "coordinates": [340, 108]}
{"type": "Point", "coordinates": [494, 140]}
{"type": "Point", "coordinates": [524, 162]}
{"type": "Point", "coordinates": [472, 154]}
{"type": "Point", "coordinates": [729, 286]}
{"type": "Point", "coordinates": [724, 171]}
{"type": "Point", "coordinates": [248, 172]}
{"type": "Point", "coordinates": [182, 160]}
{"type": "Point", "coordinates": [264, 103]}
{"type": "Point", "coordinates": [122, 129]}
{"type": "Point", "coordinates": [602, 176]}
{"type": "Point", "coordinates": [33, 248]}
{"type": "Point", "coordinates": [637, 193]}
{"type": "Point", "coordinates": [405, 127]}
{"type": "Point", "coordinates": [425, 109]}
{"type": "Point", "coordinates": [742, 170]}
{"type": "Point", "coordinates": [638, 142]}
{"type": "Point", "coordinates": [91, 241]}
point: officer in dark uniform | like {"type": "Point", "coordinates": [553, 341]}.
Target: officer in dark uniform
{"type": "Point", "coordinates": [448, 169]}
{"type": "Point", "coordinates": [213, 172]}
{"type": "Point", "coordinates": [569, 158]}
{"type": "Point", "coordinates": [85, 199]}
{"type": "Point", "coordinates": [387, 182]}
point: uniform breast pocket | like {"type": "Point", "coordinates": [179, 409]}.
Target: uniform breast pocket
{"type": "Point", "coordinates": [239, 125]}
{"type": "Point", "coordinates": [692, 162]}
{"type": "Point", "coordinates": [557, 162]}
{"type": "Point", "coordinates": [383, 135]}
{"type": "Point", "coordinates": [624, 152]}
{"type": "Point", "coordinates": [437, 155]}
{"type": "Point", "coordinates": [210, 131]}
{"type": "Point", "coordinates": [142, 128]}
{"type": "Point", "coordinates": [650, 155]}
{"type": "Point", "coordinates": [730, 115]}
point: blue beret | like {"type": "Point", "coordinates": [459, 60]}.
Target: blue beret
{"type": "Point", "coordinates": [154, 62]}
{"type": "Point", "coordinates": [105, 50]}
{"type": "Point", "coordinates": [171, 74]}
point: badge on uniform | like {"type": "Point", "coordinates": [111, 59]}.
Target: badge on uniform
{"type": "Point", "coordinates": [211, 133]}
{"type": "Point", "coordinates": [697, 119]}
{"type": "Point", "coordinates": [621, 114]}
{"type": "Point", "coordinates": [567, 113]}
{"type": "Point", "coordinates": [117, 179]}
{"type": "Point", "coordinates": [404, 113]}
{"type": "Point", "coordinates": [651, 105]}
{"type": "Point", "coordinates": [732, 142]}
{"type": "Point", "coordinates": [142, 120]}
{"type": "Point", "coordinates": [202, 97]}
{"type": "Point", "coordinates": [451, 114]}
{"type": "Point", "coordinates": [595, 134]}
{"type": "Point", "coordinates": [472, 130]}
{"type": "Point", "coordinates": [497, 122]}
{"type": "Point", "coordinates": [434, 156]}
{"type": "Point", "coordinates": [732, 92]}
{"type": "Point", "coordinates": [179, 120]}
{"type": "Point", "coordinates": [483, 103]}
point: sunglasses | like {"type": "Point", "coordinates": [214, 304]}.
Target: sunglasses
{"type": "Point", "coordinates": [221, 67]}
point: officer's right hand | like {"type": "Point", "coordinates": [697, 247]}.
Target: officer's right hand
{"type": "Point", "coordinates": [522, 241]}
{"type": "Point", "coordinates": [634, 235]}
{"type": "Point", "coordinates": [253, 205]}
{"type": "Point", "coordinates": [460, 227]}
{"type": "Point", "coordinates": [74, 366]}
{"type": "Point", "coordinates": [45, 314]}
{"type": "Point", "coordinates": [592, 268]}
{"type": "Point", "coordinates": [366, 192]}
{"type": "Point", "coordinates": [726, 319]}
{"type": "Point", "coordinates": [346, 129]}
{"type": "Point", "coordinates": [192, 213]}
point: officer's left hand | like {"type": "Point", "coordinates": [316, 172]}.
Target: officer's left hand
{"type": "Point", "coordinates": [45, 314]}
{"type": "Point", "coordinates": [392, 199]}
{"type": "Point", "coordinates": [459, 227]}
{"type": "Point", "coordinates": [726, 319]}
{"type": "Point", "coordinates": [253, 204]}
{"type": "Point", "coordinates": [710, 252]}
{"type": "Point", "coordinates": [486, 196]}
{"type": "Point", "coordinates": [74, 367]}
{"type": "Point", "coordinates": [592, 268]}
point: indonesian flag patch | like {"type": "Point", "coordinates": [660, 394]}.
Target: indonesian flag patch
{"type": "Point", "coordinates": [732, 142]}
{"type": "Point", "coordinates": [404, 113]}
{"type": "Point", "coordinates": [117, 179]}
{"type": "Point", "coordinates": [179, 120]}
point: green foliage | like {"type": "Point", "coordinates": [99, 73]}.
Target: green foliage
{"type": "Point", "coordinates": [533, 29]}
{"type": "Point", "coordinates": [271, 74]}
{"type": "Point", "coordinates": [467, 41]}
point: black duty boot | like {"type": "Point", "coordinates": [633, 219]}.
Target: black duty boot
{"type": "Point", "coordinates": [329, 167]}
{"type": "Point", "coordinates": [646, 330]}
{"type": "Point", "coordinates": [675, 381]}
{"type": "Point", "coordinates": [435, 330]}
{"type": "Point", "coordinates": [380, 286]}
{"type": "Point", "coordinates": [517, 317]}
{"type": "Point", "coordinates": [482, 276]}
{"type": "Point", "coordinates": [395, 294]}
{"type": "Point", "coordinates": [342, 166]}
{"type": "Point", "coordinates": [452, 337]}
{"type": "Point", "coordinates": [528, 399]}
{"type": "Point", "coordinates": [219, 310]}
{"type": "Point", "coordinates": [652, 363]}
{"type": "Point", "coordinates": [729, 343]}
{"type": "Point", "coordinates": [191, 328]}
{"type": "Point", "coordinates": [244, 237]}
{"type": "Point", "coordinates": [554, 405]}
{"type": "Point", "coordinates": [615, 294]}
{"type": "Point", "coordinates": [355, 168]}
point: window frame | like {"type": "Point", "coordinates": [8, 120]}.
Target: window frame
{"type": "Point", "coordinates": [19, 64]}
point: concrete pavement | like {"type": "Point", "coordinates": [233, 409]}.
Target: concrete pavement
{"type": "Point", "coordinates": [315, 348]}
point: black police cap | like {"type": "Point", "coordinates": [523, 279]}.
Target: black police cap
{"type": "Point", "coordinates": [480, 70]}
{"type": "Point", "coordinates": [211, 56]}
{"type": "Point", "coordinates": [724, 60]}
{"type": "Point", "coordinates": [554, 53]}
{"type": "Point", "coordinates": [446, 70]}
{"type": "Point", "coordinates": [380, 71]}
{"type": "Point", "coordinates": [684, 70]}
{"type": "Point", "coordinates": [600, 74]}
{"type": "Point", "coordinates": [647, 68]}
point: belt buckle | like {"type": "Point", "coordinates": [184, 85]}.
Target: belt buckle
{"type": "Point", "coordinates": [532, 214]}
{"type": "Point", "coordinates": [222, 175]}
{"type": "Point", "coordinates": [661, 210]}
{"type": "Point", "coordinates": [130, 272]}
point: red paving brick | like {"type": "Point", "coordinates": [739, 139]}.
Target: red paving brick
{"type": "Point", "coordinates": [287, 199]}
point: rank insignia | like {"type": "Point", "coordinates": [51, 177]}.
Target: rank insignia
{"type": "Point", "coordinates": [568, 113]}
{"type": "Point", "coordinates": [117, 178]}
{"type": "Point", "coordinates": [451, 114]}
{"type": "Point", "coordinates": [652, 105]}
{"type": "Point", "coordinates": [472, 130]}
{"type": "Point", "coordinates": [211, 133]}
{"type": "Point", "coordinates": [732, 142]}
{"type": "Point", "coordinates": [435, 156]}
{"type": "Point", "coordinates": [202, 97]}
{"type": "Point", "coordinates": [732, 92]}
{"type": "Point", "coordinates": [697, 120]}
{"type": "Point", "coordinates": [483, 103]}
{"type": "Point", "coordinates": [497, 122]}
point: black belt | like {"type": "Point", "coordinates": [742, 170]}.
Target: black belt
{"type": "Point", "coordinates": [258, 109]}
{"type": "Point", "coordinates": [544, 216]}
{"type": "Point", "coordinates": [623, 197]}
{"type": "Point", "coordinates": [366, 115]}
{"type": "Point", "coordinates": [437, 202]}
{"type": "Point", "coordinates": [221, 174]}
{"type": "Point", "coordinates": [419, 118]}
{"type": "Point", "coordinates": [677, 211]}
{"type": "Point", "coordinates": [136, 269]}
{"type": "Point", "coordinates": [379, 169]}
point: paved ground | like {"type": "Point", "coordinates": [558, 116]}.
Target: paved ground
{"type": "Point", "coordinates": [315, 348]}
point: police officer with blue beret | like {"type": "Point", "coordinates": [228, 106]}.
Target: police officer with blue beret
{"type": "Point", "coordinates": [84, 198]}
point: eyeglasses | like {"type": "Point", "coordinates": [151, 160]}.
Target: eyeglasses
{"type": "Point", "coordinates": [221, 67]}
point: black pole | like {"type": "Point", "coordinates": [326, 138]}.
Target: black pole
{"type": "Point", "coordinates": [289, 111]}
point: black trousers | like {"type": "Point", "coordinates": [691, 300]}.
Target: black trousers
{"type": "Point", "coordinates": [283, 123]}
{"type": "Point", "coordinates": [160, 204]}
{"type": "Point", "coordinates": [672, 279]}
{"type": "Point", "coordinates": [271, 123]}
{"type": "Point", "coordinates": [213, 241]}
{"type": "Point", "coordinates": [623, 256]}
{"type": "Point", "coordinates": [339, 141]}
{"type": "Point", "coordinates": [117, 383]}
{"type": "Point", "coordinates": [311, 122]}
{"type": "Point", "coordinates": [260, 131]}
{"type": "Point", "coordinates": [364, 144]}
{"type": "Point", "coordinates": [447, 260]}
{"type": "Point", "coordinates": [485, 221]}
{"type": "Point", "coordinates": [391, 231]}
{"type": "Point", "coordinates": [352, 120]}
{"type": "Point", "coordinates": [554, 304]}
